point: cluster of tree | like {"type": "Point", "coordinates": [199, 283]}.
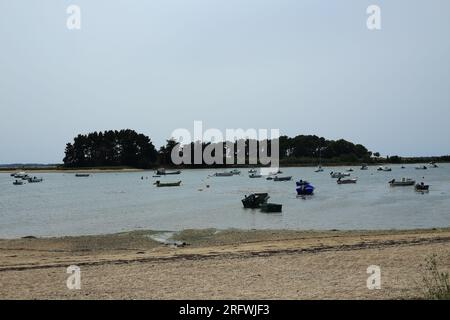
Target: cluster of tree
{"type": "Point", "coordinates": [128, 148]}
{"type": "Point", "coordinates": [296, 150]}
{"type": "Point", "coordinates": [111, 148]}
{"type": "Point", "coordinates": [314, 147]}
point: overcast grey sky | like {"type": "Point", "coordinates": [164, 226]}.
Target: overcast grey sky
{"type": "Point", "coordinates": [303, 66]}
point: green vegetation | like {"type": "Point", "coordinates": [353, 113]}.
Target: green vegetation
{"type": "Point", "coordinates": [436, 283]}
{"type": "Point", "coordinates": [111, 148]}
{"type": "Point", "coordinates": [128, 149]}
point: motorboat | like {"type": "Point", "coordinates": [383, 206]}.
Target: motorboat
{"type": "Point", "coordinates": [402, 183]}
{"type": "Point", "coordinates": [384, 168]}
{"type": "Point", "coordinates": [35, 180]}
{"type": "Point", "coordinates": [319, 169]}
{"type": "Point", "coordinates": [304, 188]}
{"type": "Point", "coordinates": [235, 172]}
{"type": "Point", "coordinates": [252, 171]}
{"type": "Point", "coordinates": [254, 200]}
{"type": "Point", "coordinates": [364, 167]}
{"type": "Point", "coordinates": [339, 175]}
{"type": "Point", "coordinates": [18, 183]}
{"type": "Point", "coordinates": [346, 181]}
{"type": "Point", "coordinates": [167, 184]}
{"type": "Point", "coordinates": [19, 175]}
{"type": "Point", "coordinates": [349, 170]}
{"type": "Point", "coordinates": [421, 168]}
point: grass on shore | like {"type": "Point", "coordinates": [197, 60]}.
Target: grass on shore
{"type": "Point", "coordinates": [436, 283]}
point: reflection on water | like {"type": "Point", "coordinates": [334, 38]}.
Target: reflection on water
{"type": "Point", "coordinates": [114, 202]}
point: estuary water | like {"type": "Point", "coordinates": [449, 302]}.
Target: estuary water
{"type": "Point", "coordinates": [114, 202]}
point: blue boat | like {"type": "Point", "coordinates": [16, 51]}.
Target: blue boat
{"type": "Point", "coordinates": [304, 188]}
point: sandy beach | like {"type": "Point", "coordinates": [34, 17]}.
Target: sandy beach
{"type": "Point", "coordinates": [227, 264]}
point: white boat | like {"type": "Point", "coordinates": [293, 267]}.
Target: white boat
{"type": "Point", "coordinates": [433, 164]}
{"type": "Point", "coordinates": [339, 175]}
{"type": "Point", "coordinates": [364, 167]}
{"type": "Point", "coordinates": [384, 168]}
{"type": "Point", "coordinates": [235, 172]}
{"type": "Point", "coordinates": [255, 175]}
{"type": "Point", "coordinates": [18, 183]}
{"type": "Point", "coordinates": [402, 183]}
{"type": "Point", "coordinates": [252, 171]}
{"type": "Point", "coordinates": [19, 175]}
{"type": "Point", "coordinates": [421, 168]}
{"type": "Point", "coordinates": [319, 169]}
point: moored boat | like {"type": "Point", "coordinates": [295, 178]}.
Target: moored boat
{"type": "Point", "coordinates": [339, 174]}
{"type": "Point", "coordinates": [421, 187]}
{"type": "Point", "coordinates": [163, 172]}
{"type": "Point", "coordinates": [18, 183]}
{"type": "Point", "coordinates": [404, 182]}
{"type": "Point", "coordinates": [167, 184]}
{"type": "Point", "coordinates": [364, 167]}
{"type": "Point", "coordinates": [252, 171]}
{"type": "Point", "coordinates": [255, 175]}
{"type": "Point", "coordinates": [384, 168]}
{"type": "Point", "coordinates": [82, 175]}
{"type": "Point", "coordinates": [304, 188]}
{"type": "Point", "coordinates": [346, 181]}
{"type": "Point", "coordinates": [289, 178]}
{"type": "Point", "coordinates": [35, 180]}
{"type": "Point", "coordinates": [223, 174]}
{"type": "Point", "coordinates": [235, 172]}
{"type": "Point", "coordinates": [421, 168]}
{"type": "Point", "coordinates": [19, 175]}
{"type": "Point", "coordinates": [319, 169]}
{"type": "Point", "coordinates": [254, 200]}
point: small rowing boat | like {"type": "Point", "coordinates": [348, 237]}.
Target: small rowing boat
{"type": "Point", "coordinates": [346, 181]}
{"type": "Point", "coordinates": [422, 187]}
{"type": "Point", "coordinates": [167, 184]}
{"type": "Point", "coordinates": [402, 183]}
{"type": "Point", "coordinates": [223, 174]}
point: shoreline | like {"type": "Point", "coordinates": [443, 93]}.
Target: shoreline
{"type": "Point", "coordinates": [121, 169]}
{"type": "Point", "coordinates": [272, 264]}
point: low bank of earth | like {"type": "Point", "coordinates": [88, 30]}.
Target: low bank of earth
{"type": "Point", "coordinates": [230, 264]}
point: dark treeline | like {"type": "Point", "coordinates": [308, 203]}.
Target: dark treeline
{"type": "Point", "coordinates": [111, 148]}
{"type": "Point", "coordinates": [128, 148]}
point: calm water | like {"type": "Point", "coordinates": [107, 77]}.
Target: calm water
{"type": "Point", "coordinates": [114, 202]}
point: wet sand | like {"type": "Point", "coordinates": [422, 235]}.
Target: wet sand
{"type": "Point", "coordinates": [227, 264]}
